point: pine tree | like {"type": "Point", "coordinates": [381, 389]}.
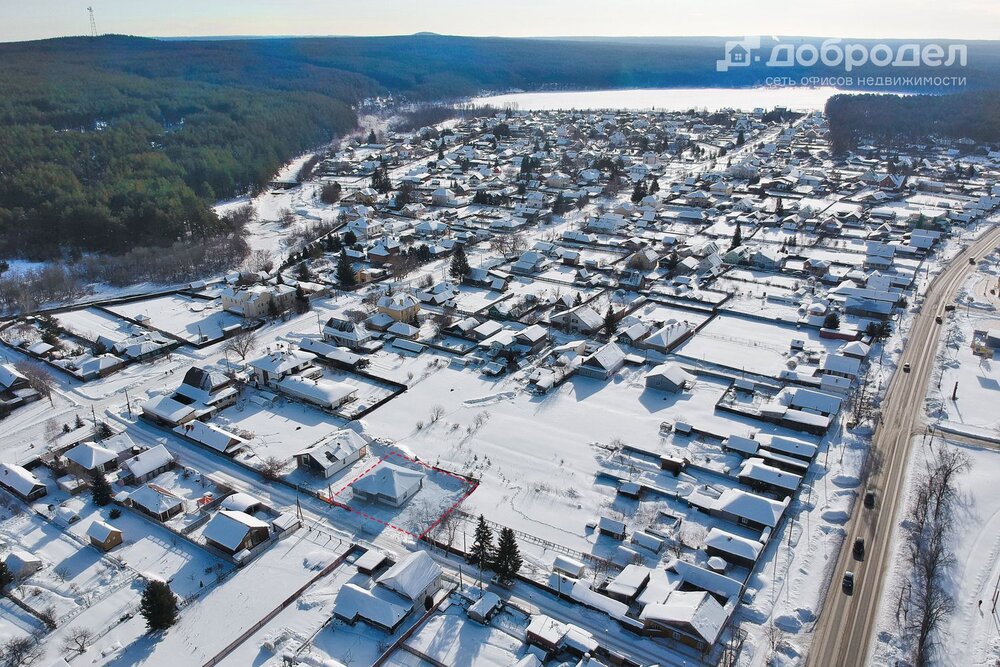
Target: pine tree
{"type": "Point", "coordinates": [350, 238]}
{"type": "Point", "coordinates": [609, 322]}
{"type": "Point", "coordinates": [345, 272]}
{"type": "Point", "coordinates": [372, 139]}
{"type": "Point", "coordinates": [459, 264]}
{"type": "Point", "coordinates": [5, 576]}
{"type": "Point", "coordinates": [654, 187]}
{"type": "Point", "coordinates": [639, 192]}
{"type": "Point", "coordinates": [508, 558]}
{"type": "Point", "coordinates": [481, 553]}
{"type": "Point", "coordinates": [302, 304]}
{"type": "Point", "coordinates": [158, 606]}
{"type": "Point", "coordinates": [101, 489]}
{"type": "Point", "coordinates": [737, 236]}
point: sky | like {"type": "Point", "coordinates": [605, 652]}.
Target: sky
{"type": "Point", "coordinates": [954, 19]}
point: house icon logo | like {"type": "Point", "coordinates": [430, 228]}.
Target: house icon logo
{"type": "Point", "coordinates": [739, 53]}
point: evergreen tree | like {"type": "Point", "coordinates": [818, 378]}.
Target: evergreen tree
{"type": "Point", "coordinates": [345, 272]}
{"type": "Point", "coordinates": [302, 304]}
{"type": "Point", "coordinates": [831, 321]}
{"type": "Point", "coordinates": [639, 192]}
{"type": "Point", "coordinates": [350, 238]}
{"type": "Point", "coordinates": [5, 576]}
{"type": "Point", "coordinates": [654, 187]}
{"type": "Point", "coordinates": [609, 322]}
{"type": "Point", "coordinates": [481, 553]}
{"type": "Point", "coordinates": [372, 139]}
{"type": "Point", "coordinates": [158, 606]}
{"type": "Point", "coordinates": [508, 557]}
{"type": "Point", "coordinates": [101, 489]}
{"type": "Point", "coordinates": [737, 236]}
{"type": "Point", "coordinates": [459, 264]}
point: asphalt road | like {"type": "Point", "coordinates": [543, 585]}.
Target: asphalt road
{"type": "Point", "coordinates": [847, 622]}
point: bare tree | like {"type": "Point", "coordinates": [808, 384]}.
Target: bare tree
{"type": "Point", "coordinates": [242, 344]}
{"type": "Point", "coordinates": [38, 378]}
{"type": "Point", "coordinates": [436, 413]}
{"type": "Point", "coordinates": [78, 639]}
{"type": "Point", "coordinates": [271, 467]}
{"type": "Point", "coordinates": [508, 245]}
{"type": "Point", "coordinates": [259, 260]}
{"type": "Point", "coordinates": [20, 652]}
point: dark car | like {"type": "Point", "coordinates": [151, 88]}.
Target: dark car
{"type": "Point", "coordinates": [870, 500]}
{"type": "Point", "coordinates": [859, 549]}
{"type": "Point", "coordinates": [906, 368]}
{"type": "Point", "coordinates": [849, 582]}
{"type": "Point", "coordinates": [938, 319]}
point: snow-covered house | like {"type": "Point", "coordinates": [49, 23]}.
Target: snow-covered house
{"type": "Point", "coordinates": [669, 377]}
{"type": "Point", "coordinates": [104, 536]}
{"type": "Point", "coordinates": [414, 577]}
{"type": "Point", "coordinates": [146, 465]}
{"type": "Point", "coordinates": [603, 363]}
{"type": "Point", "coordinates": [232, 531]}
{"type": "Point", "coordinates": [333, 454]}
{"type": "Point", "coordinates": [401, 306]}
{"type": "Point", "coordinates": [21, 482]}
{"type": "Point", "coordinates": [389, 484]}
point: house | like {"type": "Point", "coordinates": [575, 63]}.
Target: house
{"type": "Point", "coordinates": [322, 392]}
{"type": "Point", "coordinates": [211, 436]}
{"type": "Point", "coordinates": [603, 363]}
{"type": "Point", "coordinates": [21, 565]}
{"type": "Point", "coordinates": [749, 509]}
{"type": "Point", "coordinates": [104, 536]}
{"type": "Point", "coordinates": [415, 577]}
{"type": "Point", "coordinates": [257, 301]}
{"type": "Point", "coordinates": [333, 454]}
{"type": "Point", "coordinates": [732, 548]}
{"type": "Point", "coordinates": [761, 476]}
{"type": "Point", "coordinates": [89, 458]}
{"type": "Point", "coordinates": [485, 608]}
{"type": "Point", "coordinates": [581, 319]}
{"type": "Point", "coordinates": [389, 484]}
{"type": "Point", "coordinates": [694, 618]}
{"type": "Point", "coordinates": [378, 607]}
{"type": "Point", "coordinates": [611, 527]}
{"type": "Point", "coordinates": [667, 337]}
{"type": "Point", "coordinates": [401, 307]}
{"type": "Point", "coordinates": [21, 482]}
{"type": "Point", "coordinates": [208, 388]}
{"type": "Point", "coordinates": [669, 377]}
{"type": "Point", "coordinates": [155, 501]}
{"type": "Point", "coordinates": [627, 585]}
{"type": "Point", "coordinates": [274, 366]}
{"type": "Point", "coordinates": [344, 333]}
{"type": "Point", "coordinates": [146, 465]}
{"type": "Point", "coordinates": [232, 532]}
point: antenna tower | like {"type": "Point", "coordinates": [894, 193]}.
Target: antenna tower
{"type": "Point", "coordinates": [93, 24]}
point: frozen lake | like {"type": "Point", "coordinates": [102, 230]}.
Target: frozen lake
{"type": "Point", "coordinates": [667, 99]}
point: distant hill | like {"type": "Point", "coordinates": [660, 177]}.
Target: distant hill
{"type": "Point", "coordinates": [111, 142]}
{"type": "Point", "coordinates": [889, 119]}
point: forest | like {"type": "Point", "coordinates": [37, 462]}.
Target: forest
{"type": "Point", "coordinates": [890, 119]}
{"type": "Point", "coordinates": [116, 142]}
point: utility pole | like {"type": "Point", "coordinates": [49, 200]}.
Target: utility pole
{"type": "Point", "coordinates": [93, 24]}
{"type": "Point", "coordinates": [128, 404]}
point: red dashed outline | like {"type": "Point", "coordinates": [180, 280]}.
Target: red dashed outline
{"type": "Point", "coordinates": [472, 486]}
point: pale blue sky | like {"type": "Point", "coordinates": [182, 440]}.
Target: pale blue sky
{"type": "Point", "coordinates": [958, 19]}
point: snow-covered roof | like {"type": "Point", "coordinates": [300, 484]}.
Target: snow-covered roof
{"type": "Point", "coordinates": [90, 455]}
{"type": "Point", "coordinates": [101, 531]}
{"type": "Point", "coordinates": [335, 449]}
{"type": "Point", "coordinates": [757, 470]}
{"type": "Point", "coordinates": [354, 602]}
{"type": "Point", "coordinates": [750, 506]}
{"type": "Point", "coordinates": [167, 409]}
{"type": "Point", "coordinates": [321, 391]}
{"type": "Point", "coordinates": [18, 478]}
{"type": "Point", "coordinates": [727, 542]}
{"type": "Point", "coordinates": [282, 361]}
{"type": "Point", "coordinates": [411, 576]}
{"type": "Point", "coordinates": [146, 462]}
{"type": "Point", "coordinates": [389, 480]}
{"type": "Point", "coordinates": [697, 609]}
{"type": "Point", "coordinates": [229, 528]}
{"type": "Point", "coordinates": [673, 373]}
{"type": "Point", "coordinates": [239, 502]}
{"type": "Point", "coordinates": [629, 581]}
{"type": "Point", "coordinates": [210, 435]}
{"type": "Point", "coordinates": [154, 498]}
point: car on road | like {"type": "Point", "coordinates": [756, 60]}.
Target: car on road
{"type": "Point", "coordinates": [906, 368]}
{"type": "Point", "coordinates": [859, 549]}
{"type": "Point", "coordinates": [870, 500]}
{"type": "Point", "coordinates": [938, 319]}
{"type": "Point", "coordinates": [972, 260]}
{"type": "Point", "coordinates": [848, 584]}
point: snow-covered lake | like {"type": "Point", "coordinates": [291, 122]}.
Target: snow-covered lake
{"type": "Point", "coordinates": [667, 99]}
